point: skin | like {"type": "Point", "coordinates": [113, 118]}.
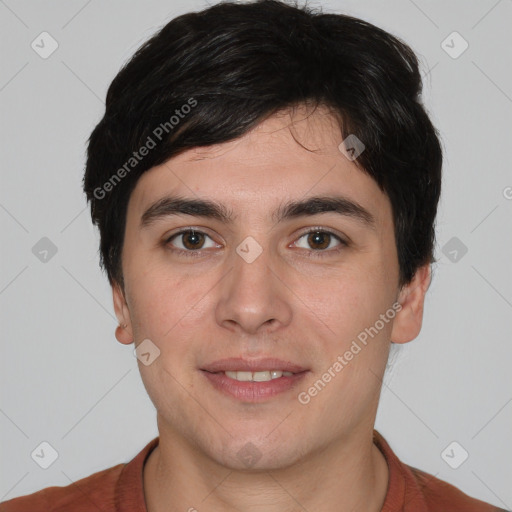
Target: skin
{"type": "Point", "coordinates": [307, 310]}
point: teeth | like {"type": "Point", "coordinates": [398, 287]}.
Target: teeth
{"type": "Point", "coordinates": [257, 376]}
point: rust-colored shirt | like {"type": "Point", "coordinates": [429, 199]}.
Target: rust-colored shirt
{"type": "Point", "coordinates": [120, 489]}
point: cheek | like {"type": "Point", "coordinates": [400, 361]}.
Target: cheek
{"type": "Point", "coordinates": [347, 302]}
{"type": "Point", "coordinates": [349, 306]}
{"type": "Point", "coordinates": [165, 310]}
{"type": "Point", "coordinates": [159, 301]}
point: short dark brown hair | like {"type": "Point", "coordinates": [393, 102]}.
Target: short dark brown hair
{"type": "Point", "coordinates": [209, 77]}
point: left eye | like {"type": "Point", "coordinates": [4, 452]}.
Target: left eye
{"type": "Point", "coordinates": [322, 239]}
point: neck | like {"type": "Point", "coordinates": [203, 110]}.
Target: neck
{"type": "Point", "coordinates": [350, 474]}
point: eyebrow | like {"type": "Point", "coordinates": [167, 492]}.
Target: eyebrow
{"type": "Point", "coordinates": [172, 205]}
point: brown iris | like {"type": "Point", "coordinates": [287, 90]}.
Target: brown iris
{"type": "Point", "coordinates": [317, 237]}
{"type": "Point", "coordinates": [192, 239]}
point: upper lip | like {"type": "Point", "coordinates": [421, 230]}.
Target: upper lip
{"type": "Point", "coordinates": [238, 364]}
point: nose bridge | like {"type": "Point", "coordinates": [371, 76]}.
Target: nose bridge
{"type": "Point", "coordinates": [251, 267]}
{"type": "Point", "coordinates": [252, 296]}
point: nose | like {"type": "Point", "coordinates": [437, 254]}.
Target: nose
{"type": "Point", "coordinates": [253, 296]}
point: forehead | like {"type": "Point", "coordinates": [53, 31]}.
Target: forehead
{"type": "Point", "coordinates": [286, 157]}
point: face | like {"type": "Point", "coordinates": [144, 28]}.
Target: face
{"type": "Point", "coordinates": [255, 278]}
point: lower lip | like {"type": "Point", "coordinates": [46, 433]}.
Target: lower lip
{"type": "Point", "coordinates": [249, 391]}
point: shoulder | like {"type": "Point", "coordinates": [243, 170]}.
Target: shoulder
{"type": "Point", "coordinates": [413, 490]}
{"type": "Point", "coordinates": [94, 492]}
{"type": "Point", "coordinates": [106, 490]}
{"type": "Point", "coordinates": [440, 495]}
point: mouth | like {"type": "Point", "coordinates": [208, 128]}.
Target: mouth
{"type": "Point", "coordinates": [262, 376]}
{"type": "Point", "coordinates": [253, 380]}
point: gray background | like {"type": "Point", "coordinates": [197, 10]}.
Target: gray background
{"type": "Point", "coordinates": [64, 377]}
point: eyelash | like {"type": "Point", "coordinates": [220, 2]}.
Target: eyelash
{"type": "Point", "coordinates": [319, 253]}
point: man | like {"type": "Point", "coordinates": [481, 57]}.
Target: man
{"type": "Point", "coordinates": [265, 181]}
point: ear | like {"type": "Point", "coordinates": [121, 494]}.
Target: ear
{"type": "Point", "coordinates": [407, 322]}
{"type": "Point", "coordinates": [123, 334]}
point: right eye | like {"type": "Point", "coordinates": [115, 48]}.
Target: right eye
{"type": "Point", "coordinates": [189, 241]}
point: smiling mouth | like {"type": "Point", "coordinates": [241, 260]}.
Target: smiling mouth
{"type": "Point", "coordinates": [253, 380]}
{"type": "Point", "coordinates": [261, 376]}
